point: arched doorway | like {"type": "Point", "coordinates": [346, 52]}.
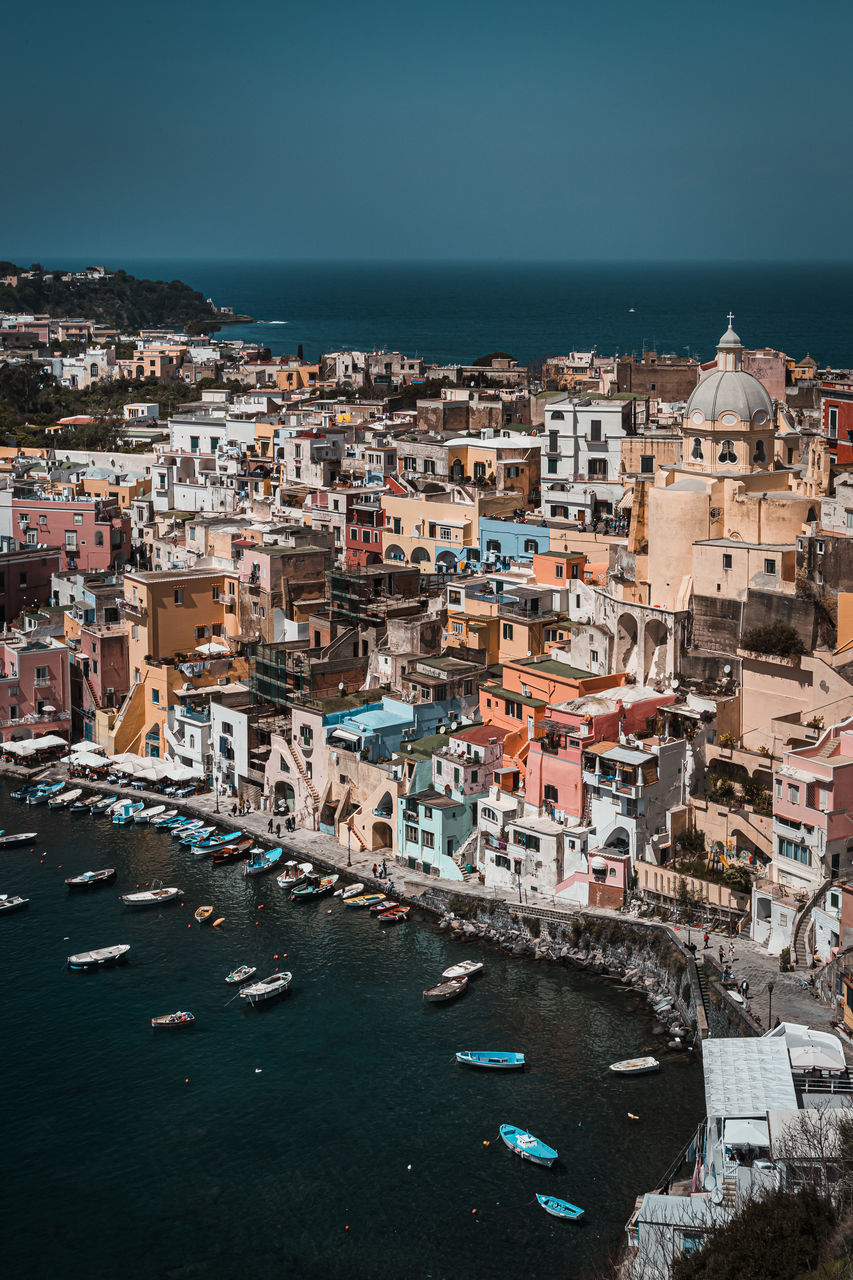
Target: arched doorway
{"type": "Point", "coordinates": [654, 644]}
{"type": "Point", "coordinates": [626, 641]}
{"type": "Point", "coordinates": [382, 838]}
{"type": "Point", "coordinates": [445, 562]}
{"type": "Point", "coordinates": [394, 552]}
{"type": "Point", "coordinates": [284, 795]}
{"type": "Point", "coordinates": [420, 555]}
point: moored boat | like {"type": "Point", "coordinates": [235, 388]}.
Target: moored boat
{"type": "Point", "coordinates": [17, 837]}
{"type": "Point", "coordinates": [103, 958]}
{"type": "Point", "coordinates": [174, 823]}
{"type": "Point", "coordinates": [466, 969]}
{"type": "Point", "coordinates": [193, 837]}
{"type": "Point", "coordinates": [365, 900]}
{"type": "Point", "coordinates": [387, 905]}
{"type": "Point", "coordinates": [314, 887]}
{"type": "Point", "coordinates": [352, 891]}
{"type": "Point", "coordinates": [100, 806]}
{"type": "Point", "coordinates": [560, 1208]}
{"type": "Point", "coordinates": [444, 991]}
{"type": "Point", "coordinates": [293, 874]}
{"type": "Point", "coordinates": [64, 798]}
{"type": "Point", "coordinates": [79, 806]}
{"type": "Point", "coordinates": [22, 792]}
{"type": "Point", "coordinates": [493, 1059]}
{"type": "Point", "coordinates": [225, 852]}
{"type": "Point", "coordinates": [151, 897]}
{"type": "Point", "coordinates": [635, 1066]}
{"type": "Point", "coordinates": [262, 860]}
{"type": "Point", "coordinates": [216, 841]}
{"type": "Point", "coordinates": [92, 879]}
{"type": "Point", "coordinates": [242, 974]}
{"type": "Point", "coordinates": [12, 902]}
{"type": "Point", "coordinates": [394, 917]}
{"type": "Point", "coordinates": [267, 989]}
{"type": "Point", "coordinates": [148, 815]}
{"type": "Point", "coordinates": [185, 828]}
{"type": "Point", "coordinates": [124, 812]}
{"type": "Point", "coordinates": [169, 1020]}
{"type": "Point", "coordinates": [525, 1145]}
{"type": "Point", "coordinates": [43, 793]}
{"type": "Point", "coordinates": [203, 914]}
{"type": "Point", "coordinates": [162, 818]}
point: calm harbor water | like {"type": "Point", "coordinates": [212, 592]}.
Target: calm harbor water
{"type": "Point", "coordinates": [338, 1106]}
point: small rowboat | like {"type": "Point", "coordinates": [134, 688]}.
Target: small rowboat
{"type": "Point", "coordinates": [525, 1145]}
{"type": "Point", "coordinates": [66, 798]}
{"type": "Point", "coordinates": [151, 897]}
{"type": "Point", "coordinates": [11, 902]}
{"type": "Point", "coordinates": [267, 989]}
{"type": "Point", "coordinates": [444, 991]}
{"type": "Point", "coordinates": [168, 1020]}
{"type": "Point", "coordinates": [92, 879]}
{"type": "Point", "coordinates": [22, 837]}
{"type": "Point", "coordinates": [314, 887]}
{"type": "Point", "coordinates": [194, 837]}
{"type": "Point", "coordinates": [216, 842]}
{"type": "Point", "coordinates": [293, 874]}
{"type": "Point", "coordinates": [243, 974]}
{"type": "Point", "coordinates": [635, 1066]}
{"type": "Point", "coordinates": [168, 815]}
{"type": "Point", "coordinates": [351, 891]}
{"type": "Point", "coordinates": [395, 916]}
{"type": "Point", "coordinates": [466, 969]}
{"type": "Point", "coordinates": [494, 1059]}
{"type": "Point", "coordinates": [203, 914]}
{"type": "Point", "coordinates": [148, 815]}
{"type": "Point", "coordinates": [560, 1208]}
{"type": "Point", "coordinates": [101, 806]}
{"type": "Point", "coordinates": [191, 824]}
{"type": "Point", "coordinates": [387, 905]}
{"type": "Point", "coordinates": [366, 900]}
{"type": "Point", "coordinates": [262, 860]}
{"type": "Point", "coordinates": [225, 852]}
{"type": "Point", "coordinates": [104, 958]}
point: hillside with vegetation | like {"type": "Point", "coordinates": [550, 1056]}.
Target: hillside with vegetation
{"type": "Point", "coordinates": [118, 300]}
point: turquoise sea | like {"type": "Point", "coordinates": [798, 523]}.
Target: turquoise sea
{"type": "Point", "coordinates": [249, 1143]}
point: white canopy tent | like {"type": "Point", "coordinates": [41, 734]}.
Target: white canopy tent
{"type": "Point", "coordinates": [85, 760]}
{"type": "Point", "coordinates": [91, 747]}
{"type": "Point", "coordinates": [211, 648]}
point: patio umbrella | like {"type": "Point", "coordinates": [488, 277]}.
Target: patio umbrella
{"type": "Point", "coordinates": [814, 1055]}
{"type": "Point", "coordinates": [153, 770]}
{"type": "Point", "coordinates": [48, 708]}
{"type": "Point", "coordinates": [85, 760]}
{"type": "Point", "coordinates": [181, 773]}
{"type": "Point", "coordinates": [49, 740]}
{"type": "Point", "coordinates": [91, 747]}
{"type": "Point", "coordinates": [212, 647]}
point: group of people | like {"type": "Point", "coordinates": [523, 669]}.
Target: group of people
{"type": "Point", "coordinates": [380, 871]}
{"type": "Point", "coordinates": [289, 825]}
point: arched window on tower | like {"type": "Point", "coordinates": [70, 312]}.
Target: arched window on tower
{"type": "Point", "coordinates": [697, 448]}
{"type": "Point", "coordinates": [760, 454]}
{"type": "Point", "coordinates": [727, 451]}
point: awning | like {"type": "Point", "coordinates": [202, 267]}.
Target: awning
{"type": "Point", "coordinates": [746, 1133]}
{"type": "Point", "coordinates": [346, 735]}
{"type": "Point", "coordinates": [626, 502]}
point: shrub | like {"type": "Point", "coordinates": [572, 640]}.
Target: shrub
{"type": "Point", "coordinates": [775, 638]}
{"type": "Point", "coordinates": [726, 740]}
{"type": "Point", "coordinates": [738, 877]}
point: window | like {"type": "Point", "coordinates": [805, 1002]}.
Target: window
{"type": "Point", "coordinates": [797, 852]}
{"type": "Point", "coordinates": [832, 421]}
{"type": "Point", "coordinates": [501, 860]}
{"type": "Point", "coordinates": [778, 788]}
{"type": "Point", "coordinates": [696, 451]}
{"type": "Point", "coordinates": [445, 533]}
{"type": "Point", "coordinates": [78, 519]}
{"type": "Point", "coordinates": [507, 631]}
{"type": "Point", "coordinates": [593, 655]}
{"type": "Point", "coordinates": [819, 546]}
{"type": "Point", "coordinates": [306, 735]}
{"type": "Point", "coordinates": [769, 566]}
{"type": "Point", "coordinates": [179, 595]}
{"type": "Point", "coordinates": [531, 546]}
{"type": "Point", "coordinates": [597, 469]}
{"type": "Point", "coordinates": [42, 675]}
{"type": "Point", "coordinates": [513, 709]}
{"type": "Point", "coordinates": [793, 794]}
{"type": "Point", "coordinates": [429, 467]}
{"type": "Point", "coordinates": [155, 695]}
{"type": "Point", "coordinates": [427, 813]}
{"type": "Point", "coordinates": [595, 429]}
{"type": "Point", "coordinates": [216, 592]}
{"type": "Point", "coordinates": [99, 538]}
{"type": "Point", "coordinates": [727, 451]}
{"type": "Point", "coordinates": [727, 560]}
{"type": "Point", "coordinates": [427, 839]}
{"type": "Point", "coordinates": [32, 538]}
{"type": "Point", "coordinates": [194, 444]}
{"type": "Point", "coordinates": [551, 793]}
{"type": "Point", "coordinates": [13, 713]}
{"type": "Point", "coordinates": [760, 454]}
{"type": "Point", "coordinates": [554, 441]}
{"type": "Point", "coordinates": [819, 578]}
{"type": "Point", "coordinates": [70, 540]}
{"type": "Point", "coordinates": [647, 463]}
{"type": "Point", "coordinates": [479, 470]}
{"type": "Point", "coordinates": [411, 834]}
{"type": "Point", "coordinates": [558, 571]}
{"type": "Point", "coordinates": [457, 628]}
{"type": "Point", "coordinates": [526, 841]}
{"type": "Point", "coordinates": [454, 597]}
{"type": "Point", "coordinates": [489, 815]}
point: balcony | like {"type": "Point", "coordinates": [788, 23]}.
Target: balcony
{"type": "Point", "coordinates": [196, 716]}
{"type": "Point", "coordinates": [135, 610]}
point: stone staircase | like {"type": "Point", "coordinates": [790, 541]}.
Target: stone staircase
{"type": "Point", "coordinates": [800, 954]}
{"type": "Point", "coordinates": [303, 773]}
{"type": "Point", "coordinates": [729, 1193]}
{"type": "Point", "coordinates": [467, 853]}
{"type": "Point", "coordinates": [702, 975]}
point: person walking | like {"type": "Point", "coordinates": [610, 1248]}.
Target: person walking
{"type": "Point", "coordinates": [270, 825]}
{"type": "Point", "coordinates": [721, 956]}
{"type": "Point", "coordinates": [375, 872]}
{"type": "Point", "coordinates": [277, 829]}
{"type": "Point", "coordinates": [707, 943]}
{"type": "Point", "coordinates": [731, 950]}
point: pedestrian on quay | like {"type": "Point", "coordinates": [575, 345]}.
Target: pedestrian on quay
{"type": "Point", "coordinates": [269, 825]}
{"type": "Point", "coordinates": [721, 955]}
{"type": "Point", "coordinates": [731, 951]}
{"type": "Point", "coordinates": [375, 872]}
{"type": "Point", "coordinates": [744, 988]}
{"type": "Point", "coordinates": [277, 829]}
{"type": "Point", "coordinates": [707, 943]}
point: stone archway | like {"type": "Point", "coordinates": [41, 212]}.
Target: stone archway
{"type": "Point", "coordinates": [420, 555]}
{"type": "Point", "coordinates": [654, 649]}
{"type": "Point", "coordinates": [395, 552]}
{"type": "Point", "coordinates": [382, 838]}
{"type": "Point", "coordinates": [626, 641]}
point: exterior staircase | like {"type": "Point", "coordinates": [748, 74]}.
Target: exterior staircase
{"type": "Point", "coordinates": [303, 773]}
{"type": "Point", "coordinates": [88, 684]}
{"type": "Point", "coordinates": [799, 942]}
{"type": "Point", "coordinates": [467, 853]}
{"type": "Point", "coordinates": [729, 1193]}
{"type": "Point", "coordinates": [702, 974]}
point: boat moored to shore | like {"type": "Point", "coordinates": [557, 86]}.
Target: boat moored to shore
{"type": "Point", "coordinates": [293, 874]}
{"type": "Point", "coordinates": [314, 886]}
{"type": "Point", "coordinates": [261, 861]}
{"type": "Point", "coordinates": [65, 798]}
{"type": "Point", "coordinates": [635, 1066]}
{"type": "Point", "coordinates": [147, 815]}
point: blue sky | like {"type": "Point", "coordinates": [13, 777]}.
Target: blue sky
{"type": "Point", "coordinates": [542, 130]}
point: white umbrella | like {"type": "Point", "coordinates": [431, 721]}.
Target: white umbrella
{"type": "Point", "coordinates": [213, 646]}
{"type": "Point", "coordinates": [85, 760]}
{"type": "Point", "coordinates": [131, 765]}
{"type": "Point", "coordinates": [49, 740]}
{"type": "Point", "coordinates": [181, 773]}
{"type": "Point", "coordinates": [46, 707]}
{"type": "Point", "coordinates": [91, 747]}
{"type": "Point", "coordinates": [153, 769]}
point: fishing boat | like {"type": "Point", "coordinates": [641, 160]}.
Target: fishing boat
{"type": "Point", "coordinates": [216, 842]}
{"type": "Point", "coordinates": [242, 974]}
{"type": "Point", "coordinates": [124, 812]}
{"type": "Point", "coordinates": [394, 917]}
{"type": "Point", "coordinates": [351, 891]}
{"type": "Point", "coordinates": [444, 991]}
{"type": "Point", "coordinates": [21, 794]}
{"type": "Point", "coordinates": [560, 1208]}
{"type": "Point", "coordinates": [635, 1066]}
{"type": "Point", "coordinates": [151, 897]}
{"type": "Point", "coordinates": [174, 824]}
{"type": "Point", "coordinates": [525, 1145]}
{"type": "Point", "coordinates": [387, 905]}
{"type": "Point", "coordinates": [466, 969]}
{"type": "Point", "coordinates": [148, 815]}
{"type": "Point", "coordinates": [163, 818]}
{"type": "Point", "coordinates": [17, 837]}
{"type": "Point", "coordinates": [100, 806]}
{"type": "Point", "coordinates": [113, 806]}
{"type": "Point", "coordinates": [225, 852]}
{"type": "Point", "coordinates": [11, 902]}
{"type": "Point", "coordinates": [103, 958]}
{"type": "Point", "coordinates": [365, 900]}
{"type": "Point", "coordinates": [90, 802]}
{"type": "Point", "coordinates": [169, 1020]}
{"type": "Point", "coordinates": [186, 827]}
{"type": "Point", "coordinates": [44, 792]}
{"type": "Point", "coordinates": [203, 914]}
{"type": "Point", "coordinates": [66, 798]}
{"type": "Point", "coordinates": [92, 879]}
{"type": "Point", "coordinates": [492, 1059]}
{"type": "Point", "coordinates": [193, 837]}
{"type": "Point", "coordinates": [267, 989]}
{"type": "Point", "coordinates": [80, 806]}
{"type": "Point", "coordinates": [261, 861]}
{"type": "Point", "coordinates": [293, 874]}
{"type": "Point", "coordinates": [314, 886]}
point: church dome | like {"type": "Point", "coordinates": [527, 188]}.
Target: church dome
{"type": "Point", "coordinates": [730, 391]}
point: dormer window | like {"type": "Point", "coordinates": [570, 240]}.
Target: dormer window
{"type": "Point", "coordinates": [727, 451]}
{"type": "Point", "coordinates": [760, 454]}
{"type": "Point", "coordinates": [696, 451]}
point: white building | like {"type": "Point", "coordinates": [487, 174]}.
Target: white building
{"type": "Point", "coordinates": [582, 457]}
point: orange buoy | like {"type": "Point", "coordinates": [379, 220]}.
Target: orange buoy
{"type": "Point", "coordinates": [485, 1142]}
{"type": "Point", "coordinates": [260, 906]}
{"type": "Point", "coordinates": [187, 1080]}
{"type": "Point", "coordinates": [473, 1210]}
{"type": "Point", "coordinates": [218, 922]}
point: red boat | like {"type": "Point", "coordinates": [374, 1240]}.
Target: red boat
{"type": "Point", "coordinates": [230, 852]}
{"type": "Point", "coordinates": [395, 916]}
{"type": "Point", "coordinates": [379, 907]}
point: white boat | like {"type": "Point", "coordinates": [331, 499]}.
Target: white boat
{"type": "Point", "coordinates": [145, 815]}
{"type": "Point", "coordinates": [293, 874]}
{"type": "Point", "coordinates": [635, 1066]}
{"type": "Point", "coordinates": [150, 897]}
{"type": "Point", "coordinates": [166, 816]}
{"type": "Point", "coordinates": [352, 891]}
{"type": "Point", "coordinates": [466, 969]}
{"type": "Point", "coordinates": [100, 959]}
{"type": "Point", "coordinates": [267, 989]}
{"type": "Point", "coordinates": [59, 802]}
{"type": "Point", "coordinates": [124, 812]}
{"type": "Point", "coordinates": [449, 989]}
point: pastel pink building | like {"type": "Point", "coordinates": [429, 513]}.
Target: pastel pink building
{"type": "Point", "coordinates": [812, 807]}
{"type": "Point", "coordinates": [35, 692]}
{"type": "Point", "coordinates": [90, 533]}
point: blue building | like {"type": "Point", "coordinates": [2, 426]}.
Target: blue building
{"type": "Point", "coordinates": [505, 540]}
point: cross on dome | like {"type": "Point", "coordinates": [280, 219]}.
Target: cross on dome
{"type": "Point", "coordinates": [730, 318]}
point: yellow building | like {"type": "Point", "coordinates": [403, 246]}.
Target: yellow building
{"type": "Point", "coordinates": [511, 465]}
{"type": "Point", "coordinates": [293, 377]}
{"type": "Point", "coordinates": [437, 531]}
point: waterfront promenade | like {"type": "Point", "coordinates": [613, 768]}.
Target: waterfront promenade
{"type": "Point", "coordinates": [790, 1001]}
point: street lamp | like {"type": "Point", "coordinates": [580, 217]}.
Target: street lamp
{"type": "Point", "coordinates": [216, 784]}
{"type": "Point", "coordinates": [349, 843]}
{"type": "Point", "coordinates": [770, 986]}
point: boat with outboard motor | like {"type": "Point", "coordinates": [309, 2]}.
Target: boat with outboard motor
{"type": "Point", "coordinates": [216, 842]}
{"type": "Point", "coordinates": [92, 879]}
{"type": "Point", "coordinates": [261, 861]}
{"type": "Point", "coordinates": [65, 798]}
{"type": "Point", "coordinates": [162, 819]}
{"type": "Point", "coordinates": [103, 958]}
{"type": "Point", "coordinates": [450, 989]}
{"type": "Point", "coordinates": [314, 886]}
{"type": "Point", "coordinates": [124, 812]}
{"type": "Point", "coordinates": [151, 897]}
{"type": "Point", "coordinates": [148, 815]}
{"type": "Point", "coordinates": [16, 837]}
{"type": "Point", "coordinates": [465, 969]}
{"type": "Point", "coordinates": [12, 902]}
{"type": "Point", "coordinates": [44, 791]}
{"type": "Point", "coordinates": [225, 853]}
{"type": "Point", "coordinates": [242, 974]}
{"type": "Point", "coordinates": [525, 1145]}
{"type": "Point", "coordinates": [293, 874]}
{"type": "Point", "coordinates": [267, 989]}
{"type": "Point", "coordinates": [168, 1021]}
{"type": "Point", "coordinates": [493, 1059]}
{"type": "Point", "coordinates": [195, 836]}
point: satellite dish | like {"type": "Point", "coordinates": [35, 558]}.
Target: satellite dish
{"type": "Point", "coordinates": [673, 684]}
{"type": "Point", "coordinates": [727, 671]}
{"type": "Point", "coordinates": [442, 728]}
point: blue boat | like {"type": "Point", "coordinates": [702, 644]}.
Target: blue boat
{"type": "Point", "coordinates": [496, 1059]}
{"type": "Point", "coordinates": [44, 791]}
{"type": "Point", "coordinates": [560, 1208]}
{"type": "Point", "coordinates": [214, 842]}
{"type": "Point", "coordinates": [196, 836]}
{"type": "Point", "coordinates": [174, 825]}
{"type": "Point", "coordinates": [525, 1145]}
{"type": "Point", "coordinates": [262, 860]}
{"type": "Point", "coordinates": [184, 828]}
